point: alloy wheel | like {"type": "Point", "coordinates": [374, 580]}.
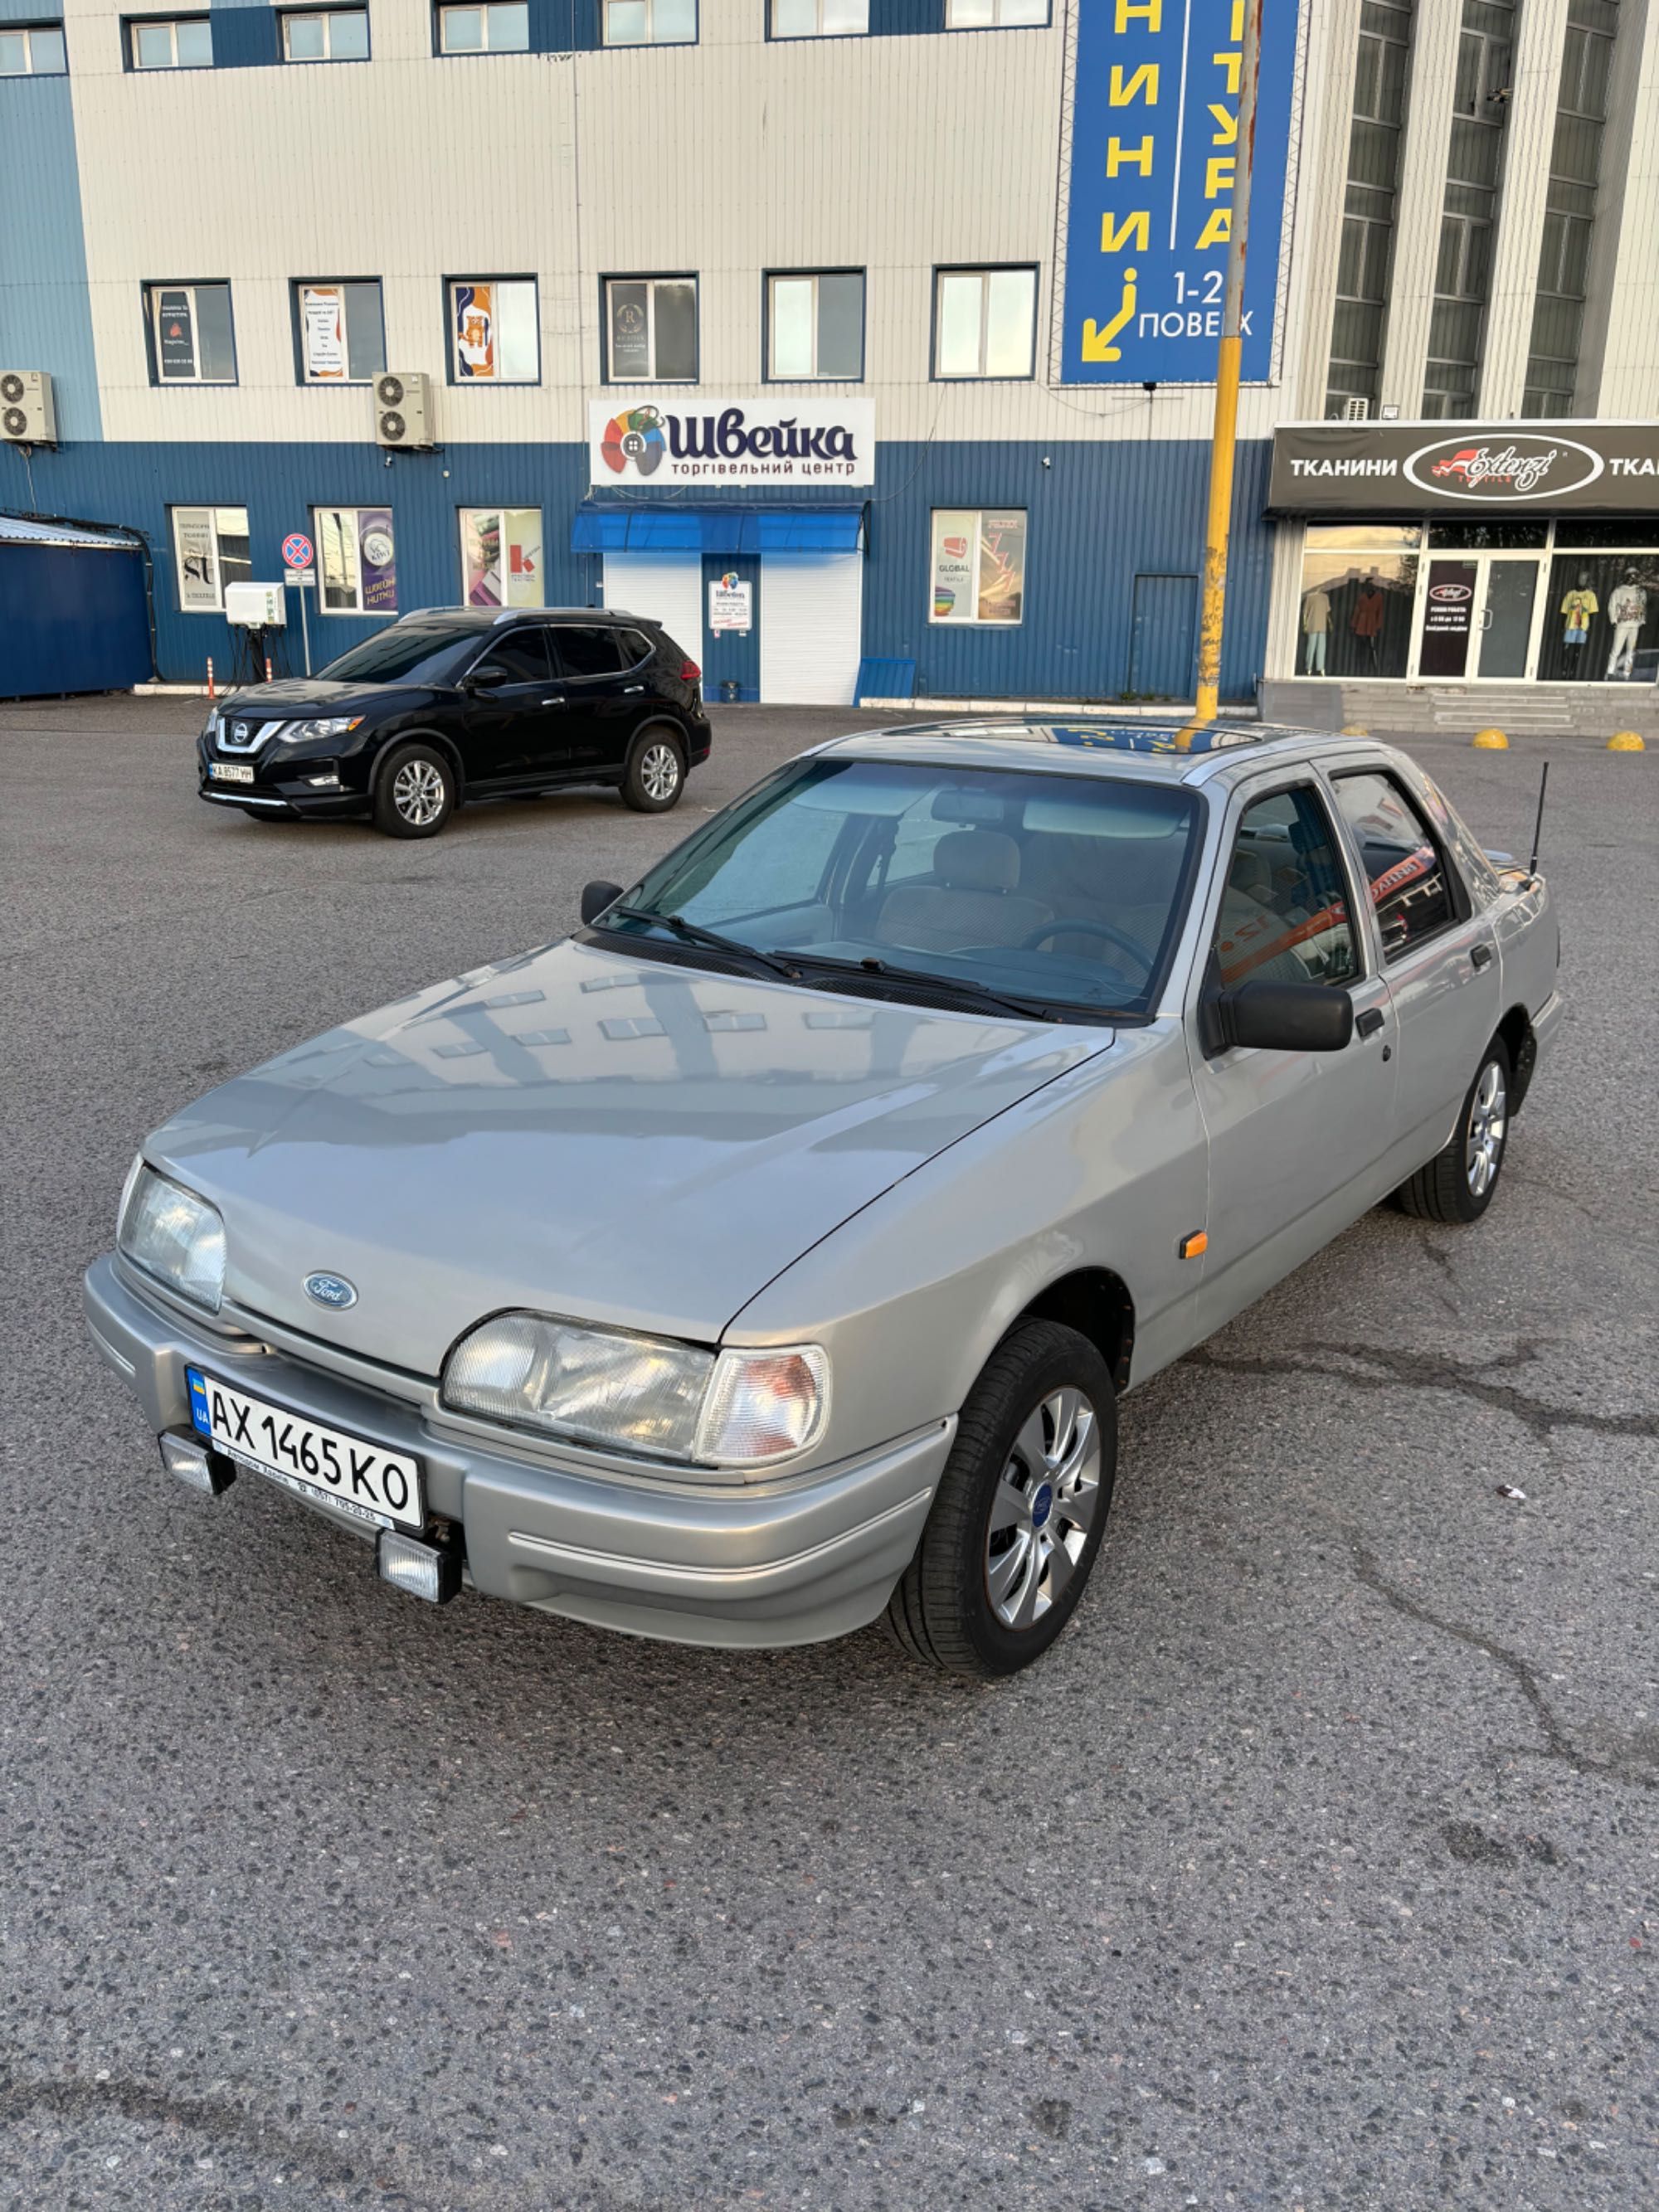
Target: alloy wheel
{"type": "Point", "coordinates": [660, 771]}
{"type": "Point", "coordinates": [1043, 1509]}
{"type": "Point", "coordinates": [417, 792]}
{"type": "Point", "coordinates": [1488, 1126]}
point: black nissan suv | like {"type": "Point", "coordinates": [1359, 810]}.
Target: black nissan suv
{"type": "Point", "coordinates": [458, 703]}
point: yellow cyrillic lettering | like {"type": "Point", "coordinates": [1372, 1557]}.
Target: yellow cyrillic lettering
{"type": "Point", "coordinates": [1226, 131]}
{"type": "Point", "coordinates": [1120, 157]}
{"type": "Point", "coordinates": [1234, 65]}
{"type": "Point", "coordinates": [1218, 230]}
{"type": "Point", "coordinates": [1149, 12]}
{"type": "Point", "coordinates": [1120, 93]}
{"type": "Point", "coordinates": [1136, 230]}
{"type": "Point", "coordinates": [1218, 173]}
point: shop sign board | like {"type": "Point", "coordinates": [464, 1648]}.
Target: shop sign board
{"type": "Point", "coordinates": [1154, 168]}
{"type": "Point", "coordinates": [1415, 468]}
{"type": "Point", "coordinates": [731, 604]}
{"type": "Point", "coordinates": [735, 442]}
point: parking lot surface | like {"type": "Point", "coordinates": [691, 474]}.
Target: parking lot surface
{"type": "Point", "coordinates": [1315, 1867]}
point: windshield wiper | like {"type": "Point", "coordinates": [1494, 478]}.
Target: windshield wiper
{"type": "Point", "coordinates": [883, 971]}
{"type": "Point", "coordinates": [692, 933]}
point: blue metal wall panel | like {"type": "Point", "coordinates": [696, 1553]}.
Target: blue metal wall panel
{"type": "Point", "coordinates": [71, 620]}
{"type": "Point", "coordinates": [1100, 515]}
{"type": "Point", "coordinates": [45, 312]}
{"type": "Point", "coordinates": [1163, 637]}
{"type": "Point", "coordinates": [732, 656]}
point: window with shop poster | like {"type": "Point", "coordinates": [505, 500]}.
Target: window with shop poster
{"type": "Point", "coordinates": [501, 557]}
{"type": "Point", "coordinates": [978, 565]}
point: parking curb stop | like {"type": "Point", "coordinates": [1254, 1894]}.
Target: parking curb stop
{"type": "Point", "coordinates": [1626, 741]}
{"type": "Point", "coordinates": [1491, 741]}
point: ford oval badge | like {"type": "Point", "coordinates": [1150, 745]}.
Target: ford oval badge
{"type": "Point", "coordinates": [331, 1291]}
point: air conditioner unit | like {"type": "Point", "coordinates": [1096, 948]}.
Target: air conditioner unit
{"type": "Point", "coordinates": [27, 416]}
{"type": "Point", "coordinates": [1356, 411]}
{"type": "Point", "coordinates": [255, 607]}
{"type": "Point", "coordinates": [402, 408]}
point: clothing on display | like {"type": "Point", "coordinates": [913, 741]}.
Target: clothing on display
{"type": "Point", "coordinates": [1366, 620]}
{"type": "Point", "coordinates": [1315, 624]}
{"type": "Point", "coordinates": [1578, 609]}
{"type": "Point", "coordinates": [1627, 610]}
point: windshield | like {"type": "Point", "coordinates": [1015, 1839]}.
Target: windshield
{"type": "Point", "coordinates": [1064, 890]}
{"type": "Point", "coordinates": [414, 655]}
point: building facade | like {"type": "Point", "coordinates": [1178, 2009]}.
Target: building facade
{"type": "Point", "coordinates": [848, 338]}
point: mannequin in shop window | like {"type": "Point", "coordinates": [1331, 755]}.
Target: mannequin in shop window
{"type": "Point", "coordinates": [1627, 610]}
{"type": "Point", "coordinates": [1315, 628]}
{"type": "Point", "coordinates": [1366, 620]}
{"type": "Point", "coordinates": [1578, 611]}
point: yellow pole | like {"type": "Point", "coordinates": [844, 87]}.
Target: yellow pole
{"type": "Point", "coordinates": [1224, 436]}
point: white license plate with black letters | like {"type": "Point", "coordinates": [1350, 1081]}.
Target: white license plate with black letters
{"type": "Point", "coordinates": [231, 772]}
{"type": "Point", "coordinates": [381, 1487]}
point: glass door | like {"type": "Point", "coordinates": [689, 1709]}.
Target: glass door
{"type": "Point", "coordinates": [1447, 620]}
{"type": "Point", "coordinates": [1506, 593]}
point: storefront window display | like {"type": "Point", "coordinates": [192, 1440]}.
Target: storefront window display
{"type": "Point", "coordinates": [501, 557]}
{"type": "Point", "coordinates": [1601, 619]}
{"type": "Point", "coordinates": [1358, 588]}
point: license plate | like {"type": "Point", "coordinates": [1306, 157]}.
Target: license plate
{"type": "Point", "coordinates": [380, 1487]}
{"type": "Point", "coordinates": [230, 772]}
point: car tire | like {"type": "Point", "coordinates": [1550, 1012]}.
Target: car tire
{"type": "Point", "coordinates": [984, 1595]}
{"type": "Point", "coordinates": [414, 793]}
{"type": "Point", "coordinates": [655, 774]}
{"type": "Point", "coordinates": [1459, 1183]}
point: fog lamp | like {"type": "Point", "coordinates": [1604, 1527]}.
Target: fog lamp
{"type": "Point", "coordinates": [196, 1465]}
{"type": "Point", "coordinates": [419, 1570]}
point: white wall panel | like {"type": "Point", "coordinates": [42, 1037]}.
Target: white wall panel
{"type": "Point", "coordinates": [811, 619]}
{"type": "Point", "coordinates": [665, 587]}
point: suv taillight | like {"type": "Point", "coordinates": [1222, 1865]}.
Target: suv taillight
{"type": "Point", "coordinates": [689, 672]}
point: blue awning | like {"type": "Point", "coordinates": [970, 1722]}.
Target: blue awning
{"type": "Point", "coordinates": [677, 529]}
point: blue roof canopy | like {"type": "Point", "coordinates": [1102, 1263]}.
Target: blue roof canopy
{"type": "Point", "coordinates": [677, 529]}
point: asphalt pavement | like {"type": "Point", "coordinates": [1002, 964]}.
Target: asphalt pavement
{"type": "Point", "coordinates": [1316, 1866]}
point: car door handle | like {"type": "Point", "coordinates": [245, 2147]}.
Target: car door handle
{"type": "Point", "coordinates": [1480, 956]}
{"type": "Point", "coordinates": [1369, 1023]}
{"type": "Point", "coordinates": [556, 702]}
{"type": "Point", "coordinates": [633, 687]}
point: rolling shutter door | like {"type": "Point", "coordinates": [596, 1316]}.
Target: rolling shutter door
{"type": "Point", "coordinates": [665, 587]}
{"type": "Point", "coordinates": [811, 625]}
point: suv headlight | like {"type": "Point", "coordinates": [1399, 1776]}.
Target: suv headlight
{"type": "Point", "coordinates": [172, 1235]}
{"type": "Point", "coordinates": [299, 733]}
{"type": "Point", "coordinates": [741, 1408]}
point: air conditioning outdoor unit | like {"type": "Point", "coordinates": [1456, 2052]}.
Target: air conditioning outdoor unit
{"type": "Point", "coordinates": [1356, 411]}
{"type": "Point", "coordinates": [402, 408]}
{"type": "Point", "coordinates": [255, 607]}
{"type": "Point", "coordinates": [26, 415]}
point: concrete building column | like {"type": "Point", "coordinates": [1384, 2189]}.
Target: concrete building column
{"type": "Point", "coordinates": [1435, 32]}
{"type": "Point", "coordinates": [1616, 378]}
{"type": "Point", "coordinates": [1523, 193]}
{"type": "Point", "coordinates": [1333, 44]}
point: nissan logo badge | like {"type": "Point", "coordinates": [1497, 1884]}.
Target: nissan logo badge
{"type": "Point", "coordinates": [331, 1291]}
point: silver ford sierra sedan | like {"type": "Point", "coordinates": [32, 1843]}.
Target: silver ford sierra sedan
{"type": "Point", "coordinates": [769, 1256]}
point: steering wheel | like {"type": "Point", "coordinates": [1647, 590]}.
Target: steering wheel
{"type": "Point", "coordinates": [1120, 937]}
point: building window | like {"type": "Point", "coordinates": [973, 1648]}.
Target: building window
{"type": "Point", "coordinates": [1366, 258]}
{"type": "Point", "coordinates": [501, 557]}
{"type": "Point", "coordinates": [190, 334]}
{"type": "Point", "coordinates": [329, 34]}
{"type": "Point", "coordinates": [979, 565]}
{"type": "Point", "coordinates": [339, 333]}
{"type": "Point", "coordinates": [820, 19]}
{"type": "Point", "coordinates": [1358, 591]}
{"type": "Point", "coordinates": [992, 15]}
{"type": "Point", "coordinates": [501, 27]}
{"type": "Point", "coordinates": [1580, 117]}
{"type": "Point", "coordinates": [357, 559]}
{"type": "Point", "coordinates": [32, 50]}
{"type": "Point", "coordinates": [651, 330]}
{"type": "Point", "coordinates": [650, 22]}
{"type": "Point", "coordinates": [495, 333]}
{"type": "Point", "coordinates": [209, 550]}
{"type": "Point", "coordinates": [171, 42]}
{"type": "Point", "coordinates": [1462, 282]}
{"type": "Point", "coordinates": [985, 322]}
{"type": "Point", "coordinates": [815, 326]}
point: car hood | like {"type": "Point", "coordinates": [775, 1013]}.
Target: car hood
{"type": "Point", "coordinates": [307, 694]}
{"type": "Point", "coordinates": [615, 1139]}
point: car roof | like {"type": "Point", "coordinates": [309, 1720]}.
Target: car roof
{"type": "Point", "coordinates": [481, 618]}
{"type": "Point", "coordinates": [1160, 751]}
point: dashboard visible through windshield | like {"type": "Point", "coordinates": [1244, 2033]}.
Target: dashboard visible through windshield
{"type": "Point", "coordinates": [1061, 894]}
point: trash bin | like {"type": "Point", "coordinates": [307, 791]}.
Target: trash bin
{"type": "Point", "coordinates": [730, 691]}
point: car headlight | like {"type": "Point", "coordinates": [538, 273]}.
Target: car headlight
{"type": "Point", "coordinates": [210, 728]}
{"type": "Point", "coordinates": [303, 732]}
{"type": "Point", "coordinates": [741, 1408]}
{"type": "Point", "coordinates": [172, 1235]}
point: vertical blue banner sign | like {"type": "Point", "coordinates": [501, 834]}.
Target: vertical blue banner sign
{"type": "Point", "coordinates": [1154, 166]}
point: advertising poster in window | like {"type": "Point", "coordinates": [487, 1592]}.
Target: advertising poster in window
{"type": "Point", "coordinates": [501, 556]}
{"type": "Point", "coordinates": [175, 329]}
{"type": "Point", "coordinates": [1001, 568]}
{"type": "Point", "coordinates": [378, 565]}
{"type": "Point", "coordinates": [979, 566]}
{"type": "Point", "coordinates": [322, 320]}
{"type": "Point", "coordinates": [475, 331]}
{"type": "Point", "coordinates": [731, 604]}
{"type": "Point", "coordinates": [630, 334]}
{"type": "Point", "coordinates": [198, 580]}
{"type": "Point", "coordinates": [955, 555]}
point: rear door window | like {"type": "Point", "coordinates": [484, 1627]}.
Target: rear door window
{"type": "Point", "coordinates": [585, 651]}
{"type": "Point", "coordinates": [521, 656]}
{"type": "Point", "coordinates": [1410, 880]}
{"type": "Point", "coordinates": [636, 647]}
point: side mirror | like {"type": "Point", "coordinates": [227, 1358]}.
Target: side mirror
{"type": "Point", "coordinates": [487, 679]}
{"type": "Point", "coordinates": [596, 897]}
{"type": "Point", "coordinates": [1279, 1017]}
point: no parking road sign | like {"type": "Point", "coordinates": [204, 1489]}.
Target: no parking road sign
{"type": "Point", "coordinates": [298, 555]}
{"type": "Point", "coordinates": [297, 551]}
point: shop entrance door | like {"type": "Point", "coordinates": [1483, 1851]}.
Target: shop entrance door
{"type": "Point", "coordinates": [1477, 617]}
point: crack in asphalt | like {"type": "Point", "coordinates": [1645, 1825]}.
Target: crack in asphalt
{"type": "Point", "coordinates": [1414, 1370]}
{"type": "Point", "coordinates": [1557, 1744]}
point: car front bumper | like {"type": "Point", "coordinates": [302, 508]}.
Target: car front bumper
{"type": "Point", "coordinates": [786, 1562]}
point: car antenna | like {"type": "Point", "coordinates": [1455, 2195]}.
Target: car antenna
{"type": "Point", "coordinates": [1538, 826]}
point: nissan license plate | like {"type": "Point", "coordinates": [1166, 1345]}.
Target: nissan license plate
{"type": "Point", "coordinates": [378, 1487]}
{"type": "Point", "coordinates": [230, 771]}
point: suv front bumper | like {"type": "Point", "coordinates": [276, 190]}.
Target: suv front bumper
{"type": "Point", "coordinates": [731, 1564]}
